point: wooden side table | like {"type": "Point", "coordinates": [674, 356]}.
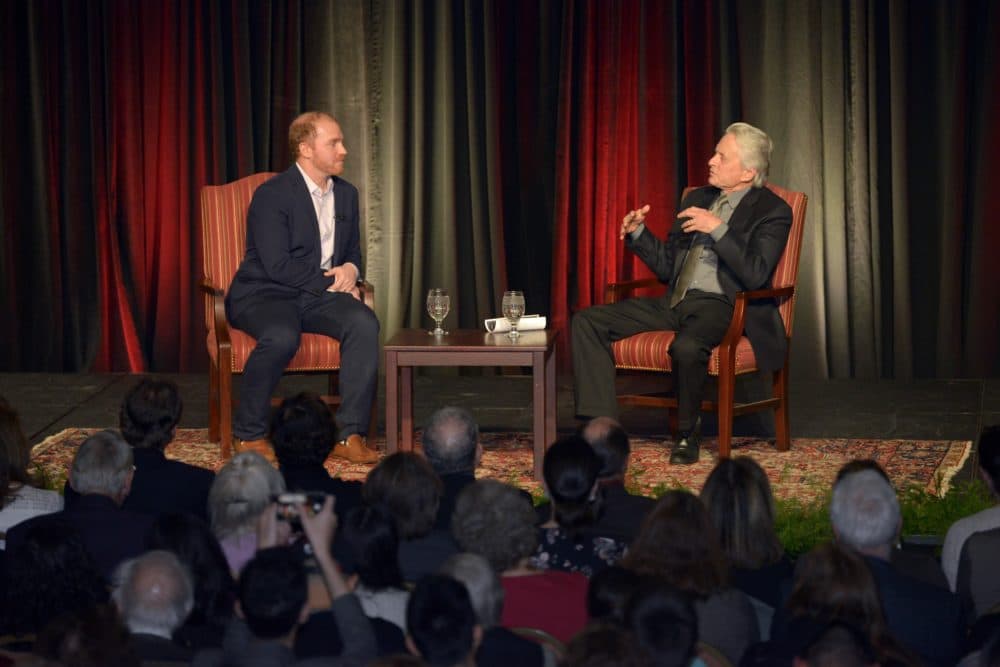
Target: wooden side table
{"type": "Point", "coordinates": [411, 348]}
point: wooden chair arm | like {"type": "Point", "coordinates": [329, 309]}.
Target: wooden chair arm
{"type": "Point", "coordinates": [217, 298]}
{"type": "Point", "coordinates": [619, 290]}
{"type": "Point", "coordinates": [735, 330]}
{"type": "Point", "coordinates": [367, 293]}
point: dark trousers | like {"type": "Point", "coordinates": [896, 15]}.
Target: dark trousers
{"type": "Point", "coordinates": [277, 325]}
{"type": "Point", "coordinates": [700, 321]}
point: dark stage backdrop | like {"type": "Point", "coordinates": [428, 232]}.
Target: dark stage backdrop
{"type": "Point", "coordinates": [497, 144]}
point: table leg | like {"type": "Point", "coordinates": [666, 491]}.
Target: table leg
{"type": "Point", "coordinates": [550, 396]}
{"type": "Point", "coordinates": [406, 408]}
{"type": "Point", "coordinates": [391, 403]}
{"type": "Point", "coordinates": [538, 405]}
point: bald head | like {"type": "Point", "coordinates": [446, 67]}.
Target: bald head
{"type": "Point", "coordinates": [451, 441]}
{"type": "Point", "coordinates": [610, 442]}
{"type": "Point", "coordinates": [154, 593]}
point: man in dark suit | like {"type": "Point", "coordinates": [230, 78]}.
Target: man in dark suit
{"type": "Point", "coordinates": [101, 473]}
{"type": "Point", "coordinates": [451, 445]}
{"type": "Point", "coordinates": [928, 620]}
{"type": "Point", "coordinates": [300, 274]}
{"type": "Point", "coordinates": [728, 237]}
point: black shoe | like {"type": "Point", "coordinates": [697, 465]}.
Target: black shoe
{"type": "Point", "coordinates": [686, 450]}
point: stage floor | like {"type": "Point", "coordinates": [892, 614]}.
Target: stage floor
{"type": "Point", "coordinates": [924, 409]}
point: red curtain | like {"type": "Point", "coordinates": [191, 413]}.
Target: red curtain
{"type": "Point", "coordinates": [638, 104]}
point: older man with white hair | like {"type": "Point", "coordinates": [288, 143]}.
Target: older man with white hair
{"type": "Point", "coordinates": [727, 238]}
{"type": "Point", "coordinates": [154, 594]}
{"type": "Point", "coordinates": [865, 515]}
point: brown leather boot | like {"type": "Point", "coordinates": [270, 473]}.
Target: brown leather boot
{"type": "Point", "coordinates": [260, 445]}
{"type": "Point", "coordinates": [354, 449]}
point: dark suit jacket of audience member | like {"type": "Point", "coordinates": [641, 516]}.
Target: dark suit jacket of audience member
{"type": "Point", "coordinates": [501, 648]}
{"type": "Point", "coordinates": [152, 648]}
{"type": "Point", "coordinates": [770, 584]}
{"type": "Point", "coordinates": [620, 516]}
{"type": "Point", "coordinates": [453, 485]}
{"type": "Point", "coordinates": [924, 618]}
{"type": "Point", "coordinates": [321, 637]}
{"type": "Point", "coordinates": [162, 486]}
{"type": "Point", "coordinates": [316, 478]}
{"type": "Point", "coordinates": [110, 534]}
{"type": "Point", "coordinates": [423, 555]}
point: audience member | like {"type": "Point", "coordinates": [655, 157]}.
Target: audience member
{"type": "Point", "coordinates": [93, 636]}
{"type": "Point", "coordinates": [20, 497]}
{"type": "Point", "coordinates": [101, 473]}
{"type": "Point", "coordinates": [154, 595]}
{"type": "Point", "coordinates": [405, 484]}
{"type": "Point", "coordinates": [664, 622]}
{"type": "Point", "coordinates": [242, 490]}
{"type": "Point", "coordinates": [609, 593]}
{"type": "Point", "coordinates": [570, 469]}
{"type": "Point", "coordinates": [677, 542]}
{"type": "Point", "coordinates": [737, 495]}
{"type": "Point", "coordinates": [621, 512]}
{"type": "Point", "coordinates": [148, 421]}
{"type": "Point", "coordinates": [499, 646]}
{"type": "Point", "coordinates": [832, 584]}
{"type": "Point", "coordinates": [49, 572]}
{"type": "Point", "coordinates": [442, 623]}
{"type": "Point", "coordinates": [273, 601]}
{"type": "Point", "coordinates": [838, 645]}
{"type": "Point", "coordinates": [451, 445]}
{"type": "Point", "coordinates": [191, 540]}
{"type": "Point", "coordinates": [988, 457]}
{"type": "Point", "coordinates": [369, 534]}
{"type": "Point", "coordinates": [494, 520]}
{"type": "Point", "coordinates": [864, 512]}
{"type": "Point", "coordinates": [605, 645]}
{"type": "Point", "coordinates": [303, 432]}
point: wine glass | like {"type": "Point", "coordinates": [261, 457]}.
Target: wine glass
{"type": "Point", "coordinates": [438, 305]}
{"type": "Point", "coordinates": [513, 308]}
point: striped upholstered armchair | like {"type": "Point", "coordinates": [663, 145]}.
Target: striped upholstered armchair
{"type": "Point", "coordinates": [223, 229]}
{"type": "Point", "coordinates": [647, 351]}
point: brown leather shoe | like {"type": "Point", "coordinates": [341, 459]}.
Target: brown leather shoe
{"type": "Point", "coordinates": [354, 449]}
{"type": "Point", "coordinates": [260, 445]}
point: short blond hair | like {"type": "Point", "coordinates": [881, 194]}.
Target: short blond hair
{"type": "Point", "coordinates": [303, 128]}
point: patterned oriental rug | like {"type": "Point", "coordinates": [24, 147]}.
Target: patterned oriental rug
{"type": "Point", "coordinates": [803, 473]}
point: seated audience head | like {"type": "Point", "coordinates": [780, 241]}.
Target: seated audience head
{"type": "Point", "coordinates": [496, 521]}
{"type": "Point", "coordinates": [609, 592]}
{"type": "Point", "coordinates": [149, 413]}
{"type": "Point", "coordinates": [49, 573]}
{"type": "Point", "coordinates": [988, 454]}
{"type": "Point", "coordinates": [603, 645]}
{"type": "Point", "coordinates": [451, 441]}
{"type": "Point", "coordinates": [663, 621]}
{"type": "Point", "coordinates": [610, 442]}
{"type": "Point", "coordinates": [15, 453]}
{"type": "Point", "coordinates": [857, 465]}
{"type": "Point", "coordinates": [864, 512]}
{"type": "Point", "coordinates": [482, 583]}
{"type": "Point", "coordinates": [441, 623]}
{"type": "Point", "coordinates": [676, 541]}
{"type": "Point", "coordinates": [406, 485]}
{"type": "Point", "coordinates": [837, 645]}
{"type": "Point", "coordinates": [91, 637]}
{"type": "Point", "coordinates": [273, 593]}
{"type": "Point", "coordinates": [740, 506]}
{"type": "Point", "coordinates": [303, 431]}
{"type": "Point", "coordinates": [104, 466]}
{"type": "Point", "coordinates": [834, 584]}
{"type": "Point", "coordinates": [570, 470]}
{"type": "Point", "coordinates": [369, 533]}
{"type": "Point", "coordinates": [192, 541]}
{"type": "Point", "coordinates": [154, 593]}
{"type": "Point", "coordinates": [242, 489]}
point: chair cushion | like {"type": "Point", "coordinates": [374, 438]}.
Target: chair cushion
{"type": "Point", "coordinates": [316, 352]}
{"type": "Point", "coordinates": [649, 351]}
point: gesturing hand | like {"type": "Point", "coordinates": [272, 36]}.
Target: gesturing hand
{"type": "Point", "coordinates": [698, 220]}
{"type": "Point", "coordinates": [632, 220]}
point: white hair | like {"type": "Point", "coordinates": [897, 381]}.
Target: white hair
{"type": "Point", "coordinates": [864, 510]}
{"type": "Point", "coordinates": [240, 492]}
{"type": "Point", "coordinates": [102, 464]}
{"type": "Point", "coordinates": [755, 149]}
{"type": "Point", "coordinates": [154, 593]}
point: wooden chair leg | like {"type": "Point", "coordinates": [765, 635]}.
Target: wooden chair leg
{"type": "Point", "coordinates": [779, 389]}
{"type": "Point", "coordinates": [213, 402]}
{"type": "Point", "coordinates": [724, 406]}
{"type": "Point", "coordinates": [225, 412]}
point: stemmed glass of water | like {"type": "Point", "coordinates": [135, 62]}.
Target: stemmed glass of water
{"type": "Point", "coordinates": [438, 305]}
{"type": "Point", "coordinates": [512, 307]}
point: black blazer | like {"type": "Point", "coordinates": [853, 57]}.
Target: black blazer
{"type": "Point", "coordinates": [283, 246]}
{"type": "Point", "coordinates": [748, 253]}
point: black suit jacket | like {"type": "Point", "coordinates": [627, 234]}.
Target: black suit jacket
{"type": "Point", "coordinates": [283, 246]}
{"type": "Point", "coordinates": [748, 253]}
